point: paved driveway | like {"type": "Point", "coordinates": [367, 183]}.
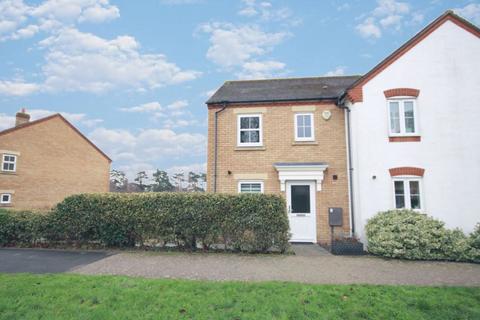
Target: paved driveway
{"type": "Point", "coordinates": [316, 268]}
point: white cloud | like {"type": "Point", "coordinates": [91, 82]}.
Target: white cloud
{"type": "Point", "coordinates": [470, 12]}
{"type": "Point", "coordinates": [146, 107]}
{"type": "Point", "coordinates": [387, 15]}
{"type": "Point", "coordinates": [23, 21]}
{"type": "Point", "coordinates": [338, 71]}
{"type": "Point", "coordinates": [177, 105]}
{"type": "Point", "coordinates": [265, 11]}
{"type": "Point", "coordinates": [179, 2]}
{"type": "Point", "coordinates": [77, 61]}
{"type": "Point", "coordinates": [134, 151]}
{"type": "Point", "coordinates": [261, 69]}
{"type": "Point", "coordinates": [238, 48]}
{"type": "Point", "coordinates": [17, 88]}
{"type": "Point", "coordinates": [195, 167]}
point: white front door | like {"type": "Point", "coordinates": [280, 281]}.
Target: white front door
{"type": "Point", "coordinates": [301, 210]}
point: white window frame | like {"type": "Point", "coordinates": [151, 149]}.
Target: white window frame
{"type": "Point", "coordinates": [9, 162]}
{"type": "Point", "coordinates": [401, 109]}
{"type": "Point", "coordinates": [406, 187]}
{"type": "Point", "coordinates": [9, 201]}
{"type": "Point", "coordinates": [295, 117]}
{"type": "Point", "coordinates": [260, 128]}
{"type": "Point", "coordinates": [249, 182]}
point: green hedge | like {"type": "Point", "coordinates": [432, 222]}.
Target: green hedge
{"type": "Point", "coordinates": [246, 222]}
{"type": "Point", "coordinates": [407, 234]}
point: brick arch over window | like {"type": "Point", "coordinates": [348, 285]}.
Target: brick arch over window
{"type": "Point", "coordinates": [401, 92]}
{"type": "Point", "coordinates": [406, 171]}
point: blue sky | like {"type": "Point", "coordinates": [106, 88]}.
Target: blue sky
{"type": "Point", "coordinates": [133, 76]}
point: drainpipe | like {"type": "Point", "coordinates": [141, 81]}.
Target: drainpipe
{"type": "Point", "coordinates": [216, 148]}
{"type": "Point", "coordinates": [341, 104]}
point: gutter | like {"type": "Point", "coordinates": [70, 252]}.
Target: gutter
{"type": "Point", "coordinates": [332, 98]}
{"type": "Point", "coordinates": [216, 147]}
{"type": "Point", "coordinates": [341, 104]}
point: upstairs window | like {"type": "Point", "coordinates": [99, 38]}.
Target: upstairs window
{"type": "Point", "coordinates": [250, 130]}
{"type": "Point", "coordinates": [304, 127]}
{"type": "Point", "coordinates": [9, 163]}
{"type": "Point", "coordinates": [407, 193]}
{"type": "Point", "coordinates": [250, 187]}
{"type": "Point", "coordinates": [402, 116]}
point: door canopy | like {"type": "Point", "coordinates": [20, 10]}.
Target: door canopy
{"type": "Point", "coordinates": [288, 171]}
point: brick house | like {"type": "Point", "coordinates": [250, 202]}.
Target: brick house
{"type": "Point", "coordinates": [284, 136]}
{"type": "Point", "coordinates": [44, 161]}
{"type": "Point", "coordinates": [354, 142]}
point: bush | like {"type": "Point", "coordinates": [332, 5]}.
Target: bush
{"type": "Point", "coordinates": [407, 234]}
{"type": "Point", "coordinates": [21, 227]}
{"type": "Point", "coordinates": [246, 222]}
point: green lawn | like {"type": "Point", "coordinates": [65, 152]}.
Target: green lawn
{"type": "Point", "coordinates": [26, 296]}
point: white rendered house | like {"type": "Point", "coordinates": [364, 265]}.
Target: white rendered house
{"type": "Point", "coordinates": [415, 128]}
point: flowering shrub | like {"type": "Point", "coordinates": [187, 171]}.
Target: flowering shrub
{"type": "Point", "coordinates": [407, 234]}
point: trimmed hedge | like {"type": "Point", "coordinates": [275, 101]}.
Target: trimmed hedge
{"type": "Point", "coordinates": [407, 234]}
{"type": "Point", "coordinates": [245, 222]}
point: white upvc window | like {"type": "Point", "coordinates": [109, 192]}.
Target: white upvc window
{"type": "Point", "coordinates": [249, 129]}
{"type": "Point", "coordinates": [304, 128]}
{"type": "Point", "coordinates": [5, 198]}
{"type": "Point", "coordinates": [408, 193]}
{"type": "Point", "coordinates": [9, 162]}
{"type": "Point", "coordinates": [402, 116]}
{"type": "Point", "coordinates": [254, 186]}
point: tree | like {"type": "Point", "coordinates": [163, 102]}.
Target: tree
{"type": "Point", "coordinates": [179, 179]}
{"type": "Point", "coordinates": [161, 182]}
{"type": "Point", "coordinates": [118, 181]}
{"type": "Point", "coordinates": [193, 181]}
{"type": "Point", "coordinates": [141, 177]}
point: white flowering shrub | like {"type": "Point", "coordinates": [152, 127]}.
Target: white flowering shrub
{"type": "Point", "coordinates": [407, 234]}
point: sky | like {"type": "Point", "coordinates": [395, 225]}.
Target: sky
{"type": "Point", "coordinates": [134, 76]}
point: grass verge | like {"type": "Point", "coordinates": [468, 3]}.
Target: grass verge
{"type": "Point", "coordinates": [27, 296]}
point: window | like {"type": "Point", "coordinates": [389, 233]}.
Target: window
{"type": "Point", "coordinates": [9, 162]}
{"type": "Point", "coordinates": [250, 187]}
{"type": "Point", "coordinates": [402, 117]}
{"type": "Point", "coordinates": [5, 198]}
{"type": "Point", "coordinates": [407, 194]}
{"type": "Point", "coordinates": [304, 127]}
{"type": "Point", "coordinates": [250, 130]}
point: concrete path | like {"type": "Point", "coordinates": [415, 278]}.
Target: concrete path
{"type": "Point", "coordinates": [321, 268]}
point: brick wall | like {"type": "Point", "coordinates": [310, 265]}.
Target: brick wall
{"type": "Point", "coordinates": [280, 146]}
{"type": "Point", "coordinates": [54, 162]}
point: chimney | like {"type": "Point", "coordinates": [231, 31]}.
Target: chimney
{"type": "Point", "coordinates": [21, 117]}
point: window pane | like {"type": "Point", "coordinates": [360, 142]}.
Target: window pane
{"type": "Point", "coordinates": [5, 198]}
{"type": "Point", "coordinates": [254, 122]}
{"type": "Point", "coordinates": [415, 202]}
{"type": "Point", "coordinates": [394, 117]}
{"type": "Point", "coordinates": [300, 132]}
{"type": "Point", "coordinates": [244, 136]}
{"type": "Point", "coordinates": [415, 195]}
{"type": "Point", "coordinates": [299, 120]}
{"type": "Point", "coordinates": [300, 197]}
{"type": "Point", "coordinates": [409, 117]}
{"type": "Point", "coordinates": [250, 188]}
{"type": "Point", "coordinates": [308, 132]}
{"type": "Point", "coordinates": [5, 166]}
{"type": "Point", "coordinates": [307, 121]}
{"type": "Point", "coordinates": [399, 194]}
{"type": "Point", "coordinates": [11, 166]}
{"type": "Point", "coordinates": [414, 187]}
{"type": "Point", "coordinates": [255, 136]}
{"type": "Point", "coordinates": [244, 123]}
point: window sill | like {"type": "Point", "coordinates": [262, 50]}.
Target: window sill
{"type": "Point", "coordinates": [259, 148]}
{"type": "Point", "coordinates": [404, 138]}
{"type": "Point", "coordinates": [12, 173]}
{"type": "Point", "coordinates": [304, 143]}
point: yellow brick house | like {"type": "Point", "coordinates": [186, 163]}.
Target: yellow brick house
{"type": "Point", "coordinates": [283, 136]}
{"type": "Point", "coordinates": [46, 160]}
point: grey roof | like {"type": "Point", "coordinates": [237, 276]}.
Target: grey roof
{"type": "Point", "coordinates": [295, 164]}
{"type": "Point", "coordinates": [290, 89]}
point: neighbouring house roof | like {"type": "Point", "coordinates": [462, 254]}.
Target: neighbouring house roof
{"type": "Point", "coordinates": [57, 115]}
{"type": "Point", "coordinates": [354, 92]}
{"type": "Point", "coordinates": [289, 89]}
